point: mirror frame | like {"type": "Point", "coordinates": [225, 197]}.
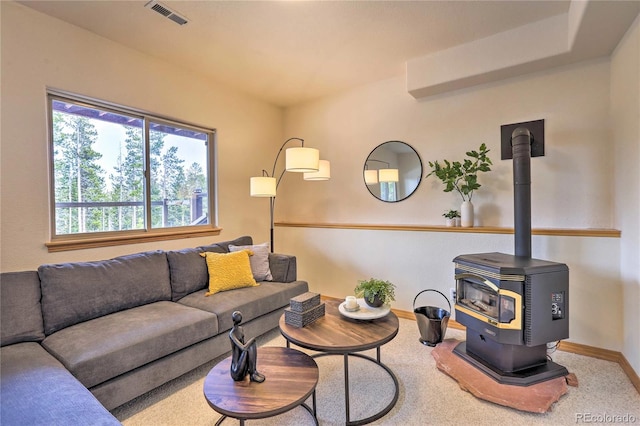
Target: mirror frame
{"type": "Point", "coordinates": [371, 156]}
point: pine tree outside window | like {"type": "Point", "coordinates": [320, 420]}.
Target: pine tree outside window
{"type": "Point", "coordinates": [119, 171]}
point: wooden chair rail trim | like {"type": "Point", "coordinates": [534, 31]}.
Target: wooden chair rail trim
{"type": "Point", "coordinates": [576, 348]}
{"type": "Point", "coordinates": [107, 241]}
{"type": "Point", "coordinates": [587, 232]}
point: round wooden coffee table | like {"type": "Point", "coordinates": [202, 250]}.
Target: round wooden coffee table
{"type": "Point", "coordinates": [334, 334]}
{"type": "Point", "coordinates": [291, 377]}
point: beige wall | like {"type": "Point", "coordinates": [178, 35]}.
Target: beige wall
{"type": "Point", "coordinates": [572, 188]}
{"type": "Point", "coordinates": [625, 114]}
{"type": "Point", "coordinates": [40, 52]}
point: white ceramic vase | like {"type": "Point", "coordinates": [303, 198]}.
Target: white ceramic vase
{"type": "Point", "coordinates": [466, 213]}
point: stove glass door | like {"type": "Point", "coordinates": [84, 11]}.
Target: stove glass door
{"type": "Point", "coordinates": [483, 296]}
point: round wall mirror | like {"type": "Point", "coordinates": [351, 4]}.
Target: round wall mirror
{"type": "Point", "coordinates": [393, 171]}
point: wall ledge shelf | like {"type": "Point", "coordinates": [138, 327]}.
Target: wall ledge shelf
{"type": "Point", "coordinates": [562, 232]}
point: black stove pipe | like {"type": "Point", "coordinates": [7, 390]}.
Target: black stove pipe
{"type": "Point", "coordinates": [521, 149]}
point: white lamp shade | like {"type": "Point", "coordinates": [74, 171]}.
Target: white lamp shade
{"type": "Point", "coordinates": [370, 177]}
{"type": "Point", "coordinates": [324, 172]}
{"type": "Point", "coordinates": [388, 175]}
{"type": "Point", "coordinates": [302, 159]}
{"type": "Point", "coordinates": [263, 186]}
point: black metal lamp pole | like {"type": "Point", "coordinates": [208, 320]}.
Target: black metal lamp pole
{"type": "Point", "coordinates": [272, 200]}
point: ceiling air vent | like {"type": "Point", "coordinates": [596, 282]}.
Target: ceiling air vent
{"type": "Point", "coordinates": [166, 12]}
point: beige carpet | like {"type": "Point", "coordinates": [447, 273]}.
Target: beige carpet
{"type": "Point", "coordinates": [427, 396]}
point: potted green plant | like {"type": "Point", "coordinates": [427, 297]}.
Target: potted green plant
{"type": "Point", "coordinates": [375, 292]}
{"type": "Point", "coordinates": [451, 217]}
{"type": "Point", "coordinates": [463, 177]}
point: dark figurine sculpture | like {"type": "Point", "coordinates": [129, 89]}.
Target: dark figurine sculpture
{"type": "Point", "coordinates": [244, 355]}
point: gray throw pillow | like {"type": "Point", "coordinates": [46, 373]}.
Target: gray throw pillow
{"type": "Point", "coordinates": [259, 261]}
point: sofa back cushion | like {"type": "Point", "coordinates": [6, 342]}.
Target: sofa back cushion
{"type": "Point", "coordinates": [77, 292]}
{"type": "Point", "coordinates": [20, 310]}
{"type": "Point", "coordinates": [188, 272]}
{"type": "Point", "coordinates": [284, 267]}
{"type": "Point", "coordinates": [189, 269]}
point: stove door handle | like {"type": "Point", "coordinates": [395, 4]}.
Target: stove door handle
{"type": "Point", "coordinates": [478, 279]}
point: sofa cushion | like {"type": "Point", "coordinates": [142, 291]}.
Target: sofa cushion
{"type": "Point", "coordinates": [259, 260]}
{"type": "Point", "coordinates": [105, 347]}
{"type": "Point", "coordinates": [252, 301]}
{"type": "Point", "coordinates": [283, 267]}
{"type": "Point", "coordinates": [228, 271]}
{"type": "Point", "coordinates": [76, 292]}
{"type": "Point", "coordinates": [188, 272]}
{"type": "Point", "coordinates": [20, 310]}
{"type": "Point", "coordinates": [36, 389]}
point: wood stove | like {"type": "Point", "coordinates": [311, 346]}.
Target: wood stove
{"type": "Point", "coordinates": [513, 305]}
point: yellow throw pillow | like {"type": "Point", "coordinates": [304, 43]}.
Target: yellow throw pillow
{"type": "Point", "coordinates": [228, 271]}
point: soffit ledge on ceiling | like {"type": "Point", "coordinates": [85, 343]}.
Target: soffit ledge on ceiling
{"type": "Point", "coordinates": [590, 29]}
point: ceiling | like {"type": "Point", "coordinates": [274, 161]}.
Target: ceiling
{"type": "Point", "coordinates": [289, 52]}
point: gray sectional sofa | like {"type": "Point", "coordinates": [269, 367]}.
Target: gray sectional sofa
{"type": "Point", "coordinates": [79, 339]}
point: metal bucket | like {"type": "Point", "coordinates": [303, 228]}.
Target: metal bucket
{"type": "Point", "coordinates": [432, 321]}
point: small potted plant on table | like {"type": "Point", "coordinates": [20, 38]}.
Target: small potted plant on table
{"type": "Point", "coordinates": [375, 292]}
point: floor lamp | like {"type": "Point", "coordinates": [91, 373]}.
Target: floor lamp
{"type": "Point", "coordinates": [297, 159]}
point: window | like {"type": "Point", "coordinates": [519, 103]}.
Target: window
{"type": "Point", "coordinates": [388, 191]}
{"type": "Point", "coordinates": [117, 171]}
